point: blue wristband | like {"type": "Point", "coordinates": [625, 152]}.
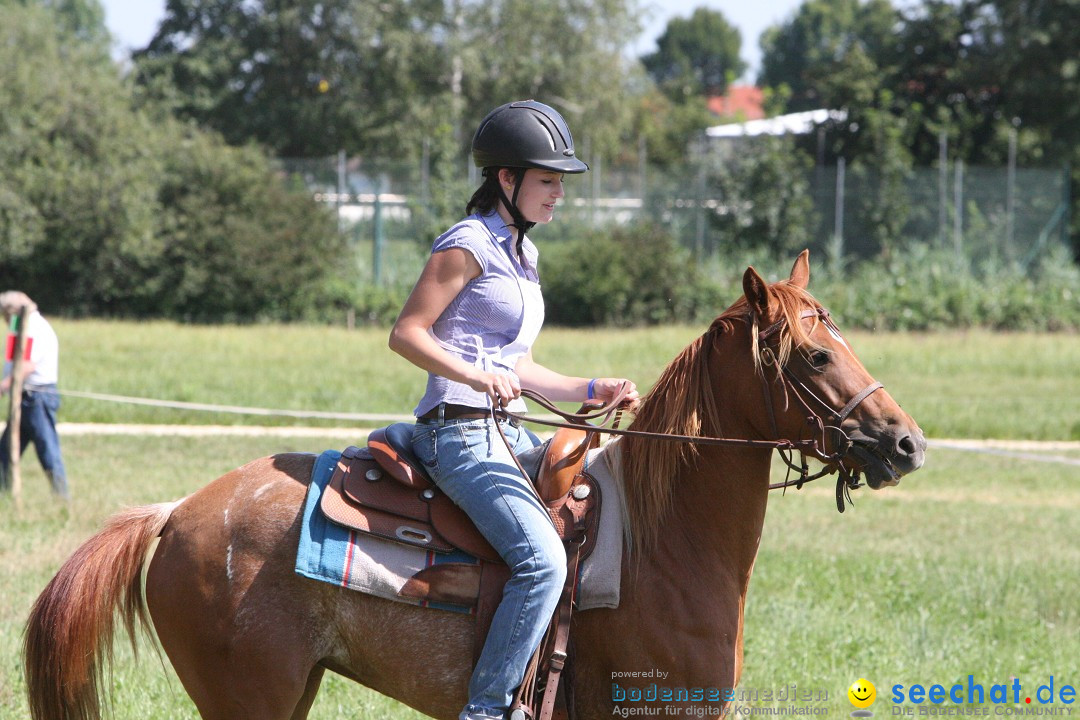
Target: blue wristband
{"type": "Point", "coordinates": [592, 393]}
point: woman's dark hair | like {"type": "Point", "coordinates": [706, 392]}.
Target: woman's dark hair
{"type": "Point", "coordinates": [486, 197]}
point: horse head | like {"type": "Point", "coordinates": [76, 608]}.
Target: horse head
{"type": "Point", "coordinates": [818, 387]}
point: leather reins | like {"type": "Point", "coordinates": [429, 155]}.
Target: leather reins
{"type": "Point", "coordinates": [829, 423]}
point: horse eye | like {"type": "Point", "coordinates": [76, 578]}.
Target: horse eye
{"type": "Point", "coordinates": [818, 358]}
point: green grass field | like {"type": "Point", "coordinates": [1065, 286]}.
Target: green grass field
{"type": "Point", "coordinates": [972, 384]}
{"type": "Point", "coordinates": [970, 566]}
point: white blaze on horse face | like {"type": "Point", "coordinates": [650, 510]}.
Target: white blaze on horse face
{"type": "Point", "coordinates": [836, 335]}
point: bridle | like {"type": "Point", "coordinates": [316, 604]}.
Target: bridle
{"type": "Point", "coordinates": [823, 424]}
{"type": "Point", "coordinates": [828, 422]}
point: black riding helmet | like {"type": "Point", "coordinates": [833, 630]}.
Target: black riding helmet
{"type": "Point", "coordinates": [524, 134]}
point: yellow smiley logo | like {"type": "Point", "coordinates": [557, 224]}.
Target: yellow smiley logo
{"type": "Point", "coordinates": [862, 693]}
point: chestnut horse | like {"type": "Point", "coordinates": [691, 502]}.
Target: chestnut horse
{"type": "Point", "coordinates": [249, 638]}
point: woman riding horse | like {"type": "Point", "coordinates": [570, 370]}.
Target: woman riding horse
{"type": "Point", "coordinates": [470, 322]}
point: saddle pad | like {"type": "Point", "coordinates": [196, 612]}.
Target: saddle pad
{"type": "Point", "coordinates": [340, 556]}
{"type": "Point", "coordinates": [335, 554]}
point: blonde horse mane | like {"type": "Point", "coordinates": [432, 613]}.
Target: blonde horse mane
{"type": "Point", "coordinates": [684, 401]}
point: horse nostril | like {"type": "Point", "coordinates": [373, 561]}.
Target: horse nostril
{"type": "Point", "coordinates": [906, 445]}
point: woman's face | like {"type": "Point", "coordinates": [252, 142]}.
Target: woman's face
{"type": "Point", "coordinates": [540, 191]}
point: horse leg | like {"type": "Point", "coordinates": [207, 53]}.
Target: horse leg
{"type": "Point", "coordinates": [243, 679]}
{"type": "Point", "coordinates": [248, 637]}
{"type": "Point", "coordinates": [310, 691]}
{"type": "Point", "coordinates": [239, 626]}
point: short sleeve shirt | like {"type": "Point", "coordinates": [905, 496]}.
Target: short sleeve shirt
{"type": "Point", "coordinates": [496, 317]}
{"type": "Point", "coordinates": [44, 353]}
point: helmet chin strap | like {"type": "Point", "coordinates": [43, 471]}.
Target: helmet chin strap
{"type": "Point", "coordinates": [522, 225]}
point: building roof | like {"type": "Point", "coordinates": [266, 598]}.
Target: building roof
{"type": "Point", "coordinates": [745, 102]}
{"type": "Point", "coordinates": [794, 124]}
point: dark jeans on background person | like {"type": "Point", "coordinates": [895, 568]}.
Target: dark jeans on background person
{"type": "Point", "coordinates": [39, 406]}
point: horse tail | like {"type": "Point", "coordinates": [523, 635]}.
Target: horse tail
{"type": "Point", "coordinates": [69, 635]}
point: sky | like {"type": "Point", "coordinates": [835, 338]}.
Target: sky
{"type": "Point", "coordinates": [133, 22]}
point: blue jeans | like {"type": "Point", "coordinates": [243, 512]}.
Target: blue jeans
{"type": "Point", "coordinates": [38, 425]}
{"type": "Point", "coordinates": [470, 463]}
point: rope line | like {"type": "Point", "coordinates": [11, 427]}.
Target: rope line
{"type": "Point", "coordinates": [239, 410]}
{"type": "Point", "coordinates": [243, 410]}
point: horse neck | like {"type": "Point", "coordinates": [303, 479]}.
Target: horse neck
{"type": "Point", "coordinates": [698, 566]}
{"type": "Point", "coordinates": [717, 514]}
{"type": "Point", "coordinates": [717, 492]}
{"type": "Point", "coordinates": [696, 517]}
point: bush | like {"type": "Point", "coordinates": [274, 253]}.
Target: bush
{"type": "Point", "coordinates": [930, 289]}
{"type": "Point", "coordinates": [106, 209]}
{"type": "Point", "coordinates": [634, 275]}
{"type": "Point", "coordinates": [236, 244]}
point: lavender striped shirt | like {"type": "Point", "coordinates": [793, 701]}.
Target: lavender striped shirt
{"type": "Point", "coordinates": [495, 318]}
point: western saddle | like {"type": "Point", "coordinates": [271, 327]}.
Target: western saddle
{"type": "Point", "coordinates": [383, 490]}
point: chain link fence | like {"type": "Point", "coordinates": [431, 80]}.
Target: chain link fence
{"type": "Point", "coordinates": [999, 215]}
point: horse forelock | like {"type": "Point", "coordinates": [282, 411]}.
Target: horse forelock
{"type": "Point", "coordinates": [788, 303]}
{"type": "Point", "coordinates": [684, 402]}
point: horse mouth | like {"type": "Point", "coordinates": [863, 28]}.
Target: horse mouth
{"type": "Point", "coordinates": [878, 469]}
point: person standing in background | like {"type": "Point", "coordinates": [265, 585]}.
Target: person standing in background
{"type": "Point", "coordinates": [40, 400]}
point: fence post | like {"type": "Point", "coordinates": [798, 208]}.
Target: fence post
{"type": "Point", "coordinates": [340, 186]}
{"type": "Point", "coordinates": [838, 212]}
{"type": "Point", "coordinates": [1066, 202]}
{"type": "Point", "coordinates": [1010, 192]}
{"type": "Point", "coordinates": [15, 406]}
{"type": "Point", "coordinates": [380, 234]}
{"type": "Point", "coordinates": [958, 208]}
{"type": "Point", "coordinates": [597, 185]}
{"type": "Point", "coordinates": [943, 182]}
{"type": "Point", "coordinates": [699, 214]}
{"type": "Point", "coordinates": [425, 173]}
{"type": "Point", "coordinates": [642, 170]}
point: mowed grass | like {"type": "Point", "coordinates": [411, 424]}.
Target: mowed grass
{"type": "Point", "coordinates": [970, 566]}
{"type": "Point", "coordinates": [971, 384]}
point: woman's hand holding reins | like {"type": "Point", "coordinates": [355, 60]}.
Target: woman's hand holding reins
{"type": "Point", "coordinates": [499, 387]}
{"type": "Point", "coordinates": [607, 389]}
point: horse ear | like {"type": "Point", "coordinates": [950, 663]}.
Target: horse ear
{"type": "Point", "coordinates": [800, 271]}
{"type": "Point", "coordinates": [757, 292]}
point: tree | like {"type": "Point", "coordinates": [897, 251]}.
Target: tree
{"type": "Point", "coordinates": [696, 56]}
{"type": "Point", "coordinates": [303, 78]}
{"type": "Point", "coordinates": [311, 77]}
{"type": "Point", "coordinates": [564, 52]}
{"type": "Point", "coordinates": [83, 20]}
{"type": "Point", "coordinates": [1034, 45]}
{"type": "Point", "coordinates": [77, 191]}
{"type": "Point", "coordinates": [798, 55]}
{"type": "Point", "coordinates": [762, 194]}
{"type": "Point", "coordinates": [665, 126]}
{"type": "Point", "coordinates": [939, 67]}
{"type": "Point", "coordinates": [109, 210]}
